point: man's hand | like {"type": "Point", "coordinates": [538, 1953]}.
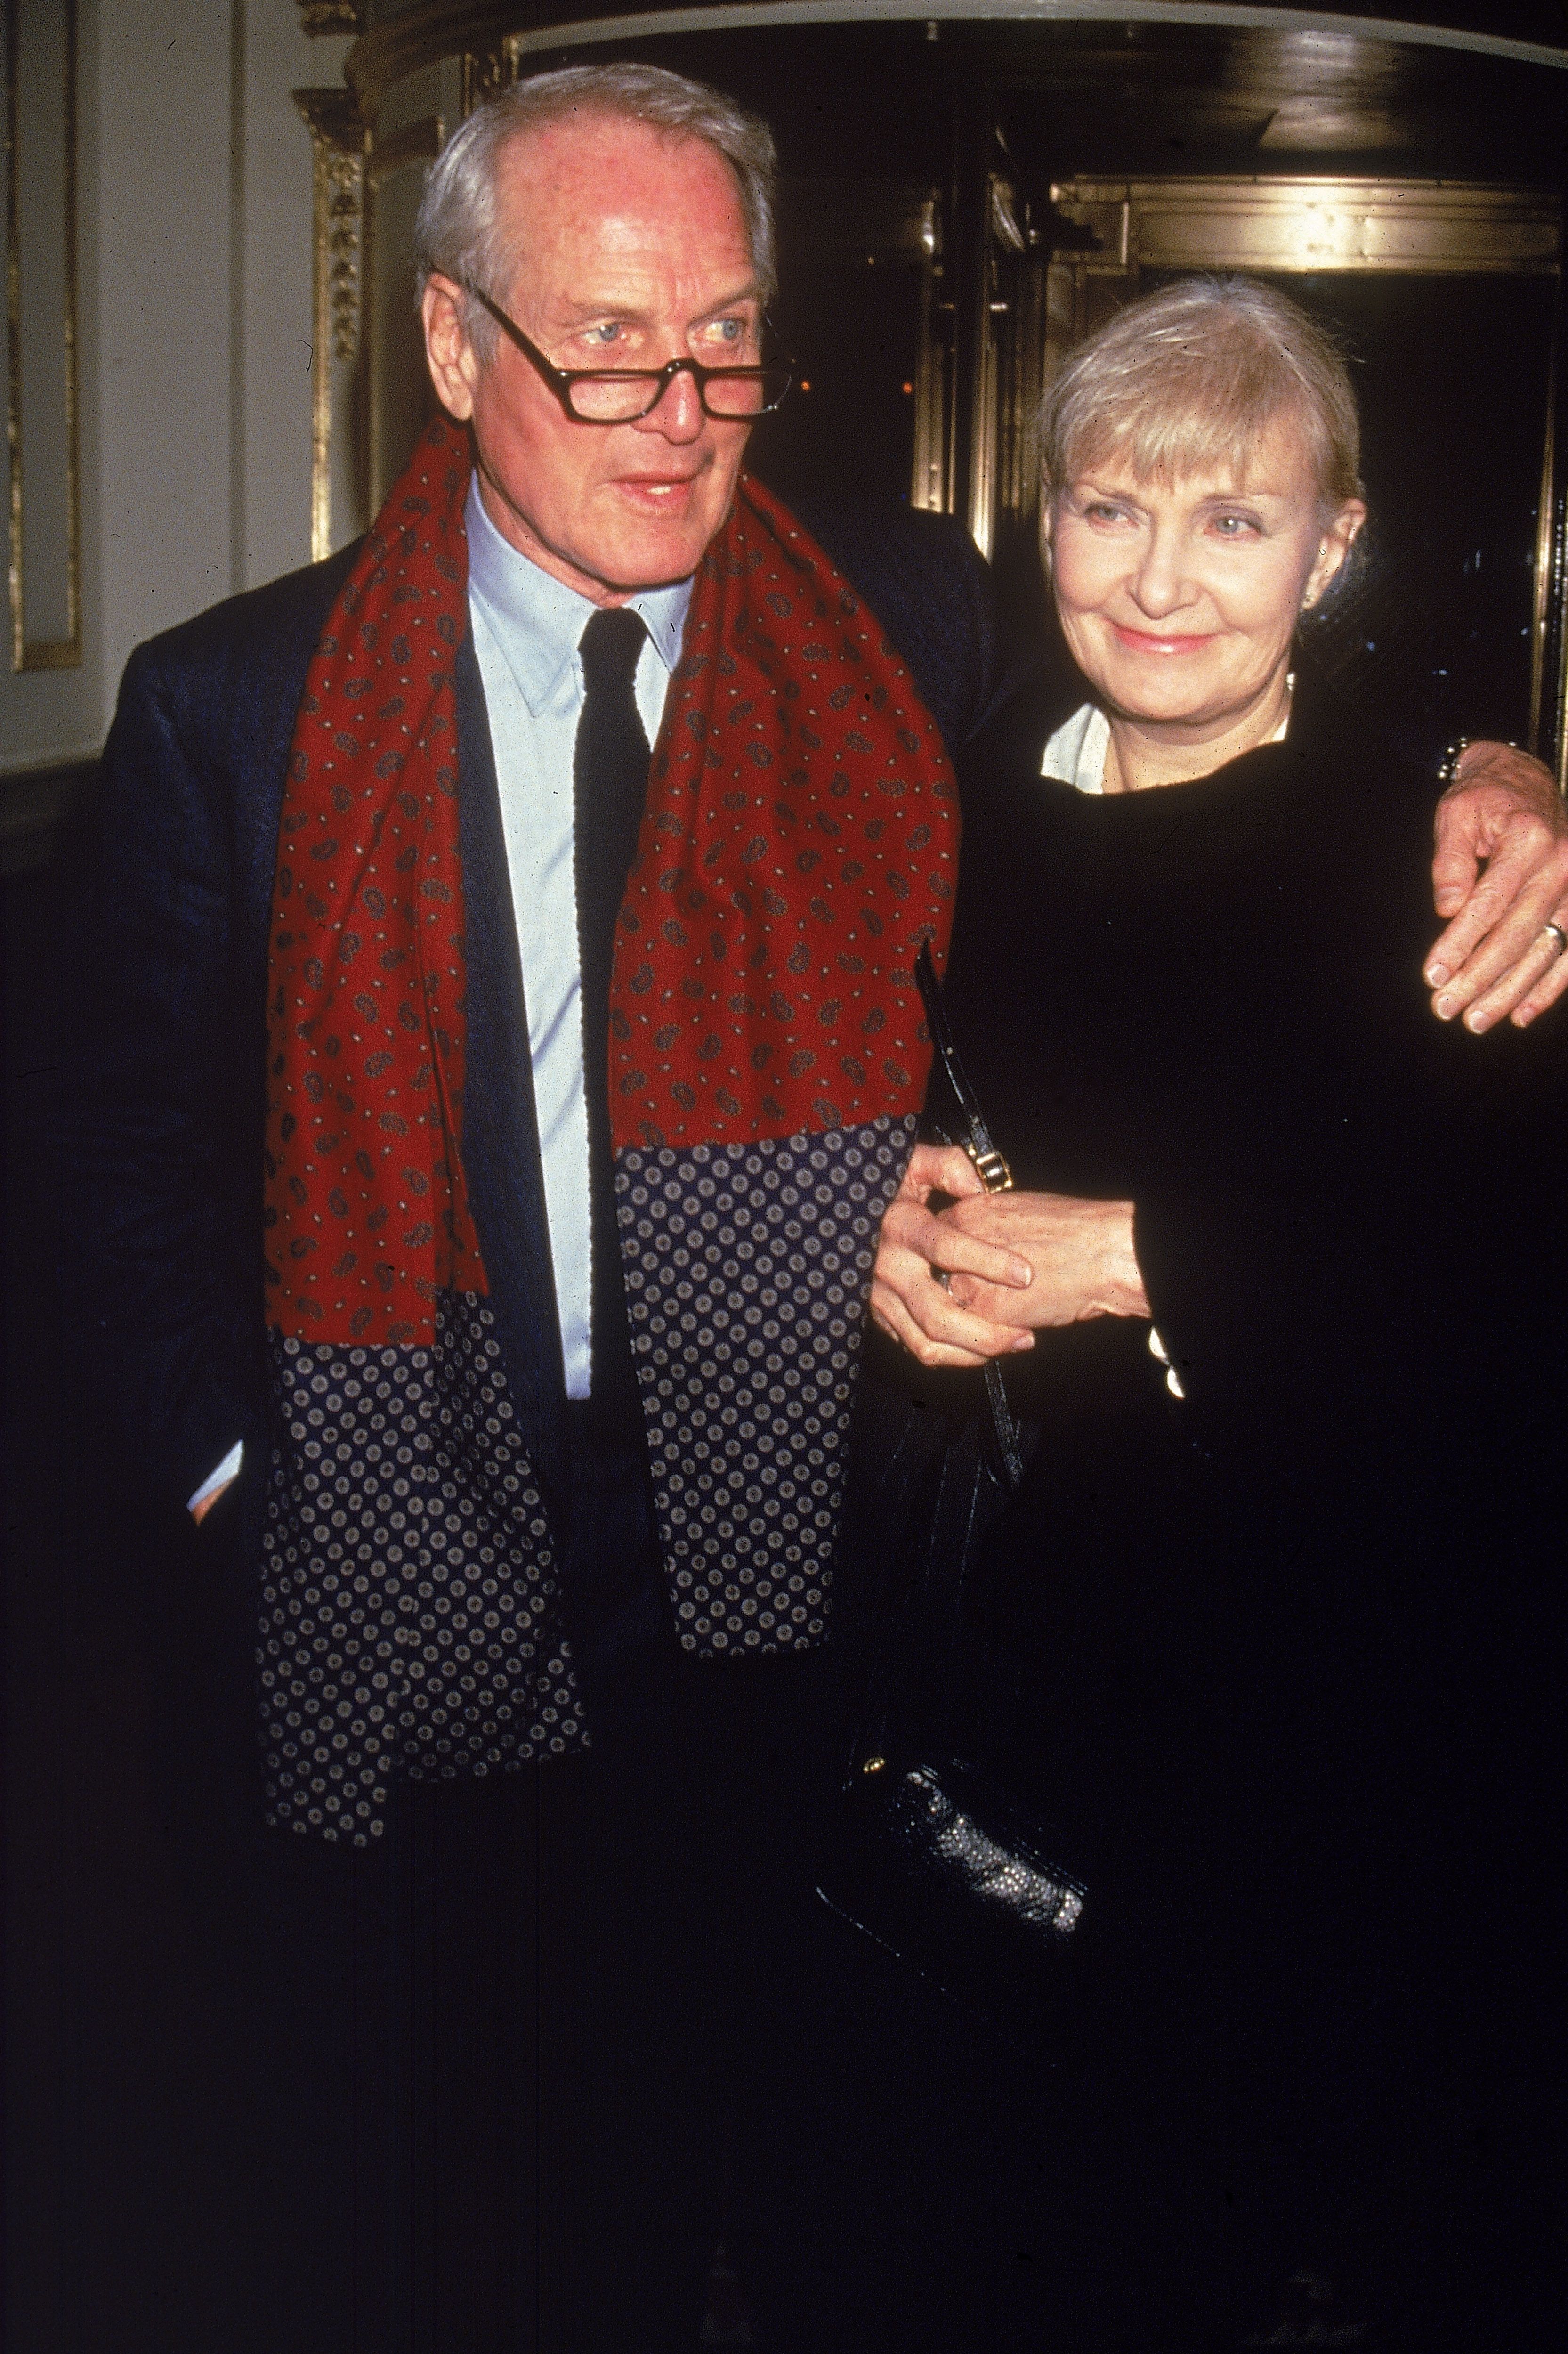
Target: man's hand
{"type": "Point", "coordinates": [1007, 1264]}
{"type": "Point", "coordinates": [906, 1299]}
{"type": "Point", "coordinates": [1497, 956]}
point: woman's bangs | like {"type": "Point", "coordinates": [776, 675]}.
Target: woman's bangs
{"type": "Point", "coordinates": [1196, 415]}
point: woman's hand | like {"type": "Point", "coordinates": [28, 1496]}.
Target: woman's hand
{"type": "Point", "coordinates": [1496, 956]}
{"type": "Point", "coordinates": [908, 1299]}
{"type": "Point", "coordinates": [1012, 1263]}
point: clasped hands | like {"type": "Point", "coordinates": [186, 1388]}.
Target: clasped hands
{"type": "Point", "coordinates": [957, 1284]}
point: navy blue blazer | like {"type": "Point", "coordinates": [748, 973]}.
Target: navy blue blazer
{"type": "Point", "coordinates": [168, 1115]}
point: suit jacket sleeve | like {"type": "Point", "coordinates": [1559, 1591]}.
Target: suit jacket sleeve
{"type": "Point", "coordinates": [165, 1123]}
{"type": "Point", "coordinates": [932, 590]}
{"type": "Point", "coordinates": [156, 1112]}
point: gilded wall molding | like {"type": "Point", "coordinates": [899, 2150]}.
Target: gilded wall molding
{"type": "Point", "coordinates": [485, 74]}
{"type": "Point", "coordinates": [65, 652]}
{"type": "Point", "coordinates": [338, 141]}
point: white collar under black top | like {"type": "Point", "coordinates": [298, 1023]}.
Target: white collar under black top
{"type": "Point", "coordinates": [1075, 753]}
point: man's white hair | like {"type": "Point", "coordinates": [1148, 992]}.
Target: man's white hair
{"type": "Point", "coordinates": [458, 232]}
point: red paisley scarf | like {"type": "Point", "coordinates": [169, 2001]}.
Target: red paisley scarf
{"type": "Point", "coordinates": [800, 841]}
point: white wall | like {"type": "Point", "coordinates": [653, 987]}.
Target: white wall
{"type": "Point", "coordinates": [274, 514]}
{"type": "Point", "coordinates": [194, 298]}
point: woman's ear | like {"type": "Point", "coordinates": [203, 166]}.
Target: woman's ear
{"type": "Point", "coordinates": [1339, 538]}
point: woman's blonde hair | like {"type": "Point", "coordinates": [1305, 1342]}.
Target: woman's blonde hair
{"type": "Point", "coordinates": [1189, 380]}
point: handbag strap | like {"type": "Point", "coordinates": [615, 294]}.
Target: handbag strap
{"type": "Point", "coordinates": [908, 1694]}
{"type": "Point", "coordinates": [994, 1174]}
{"type": "Point", "coordinates": [979, 1143]}
{"type": "Point", "coordinates": [951, 1470]}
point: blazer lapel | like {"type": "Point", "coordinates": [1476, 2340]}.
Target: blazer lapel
{"type": "Point", "coordinates": [499, 1127]}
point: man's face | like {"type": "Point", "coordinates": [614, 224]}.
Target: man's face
{"type": "Point", "coordinates": [631, 250]}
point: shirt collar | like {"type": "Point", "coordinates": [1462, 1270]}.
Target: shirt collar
{"type": "Point", "coordinates": [538, 619]}
{"type": "Point", "coordinates": [1075, 753]}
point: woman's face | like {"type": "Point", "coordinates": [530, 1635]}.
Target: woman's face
{"type": "Point", "coordinates": [1179, 601]}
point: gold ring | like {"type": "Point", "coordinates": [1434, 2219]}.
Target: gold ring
{"type": "Point", "coordinates": [1557, 936]}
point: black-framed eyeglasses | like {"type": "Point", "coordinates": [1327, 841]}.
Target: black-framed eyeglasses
{"type": "Point", "coordinates": [620, 395]}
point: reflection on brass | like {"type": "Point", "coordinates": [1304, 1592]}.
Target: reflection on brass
{"type": "Point", "coordinates": [1545, 520]}
{"type": "Point", "coordinates": [1311, 224]}
{"type": "Point", "coordinates": [985, 419]}
{"type": "Point", "coordinates": [43, 653]}
{"type": "Point", "coordinates": [483, 76]}
{"type": "Point", "coordinates": [991, 1169]}
{"type": "Point", "coordinates": [931, 475]}
{"type": "Point", "coordinates": [1003, 219]}
{"type": "Point", "coordinates": [1549, 697]}
{"type": "Point", "coordinates": [1004, 465]}
{"type": "Point", "coordinates": [337, 156]}
{"type": "Point", "coordinates": [331, 17]}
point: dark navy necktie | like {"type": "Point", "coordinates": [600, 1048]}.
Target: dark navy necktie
{"type": "Point", "coordinates": [610, 784]}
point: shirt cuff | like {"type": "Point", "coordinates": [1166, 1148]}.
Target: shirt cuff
{"type": "Point", "coordinates": [225, 1472]}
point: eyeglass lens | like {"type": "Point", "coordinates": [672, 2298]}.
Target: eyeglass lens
{"type": "Point", "coordinates": [617, 399]}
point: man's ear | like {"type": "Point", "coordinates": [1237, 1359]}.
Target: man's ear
{"type": "Point", "coordinates": [450, 356]}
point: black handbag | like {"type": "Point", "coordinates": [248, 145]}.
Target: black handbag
{"type": "Point", "coordinates": [926, 1852]}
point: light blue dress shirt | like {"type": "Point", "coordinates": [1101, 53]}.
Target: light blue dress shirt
{"type": "Point", "coordinates": [527, 627]}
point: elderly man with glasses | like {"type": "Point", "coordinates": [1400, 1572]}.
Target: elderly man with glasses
{"type": "Point", "coordinates": [508, 1048]}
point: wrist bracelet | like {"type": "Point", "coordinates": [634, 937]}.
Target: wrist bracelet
{"type": "Point", "coordinates": [1448, 766]}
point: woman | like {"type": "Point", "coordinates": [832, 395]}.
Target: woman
{"type": "Point", "coordinates": [1279, 1576]}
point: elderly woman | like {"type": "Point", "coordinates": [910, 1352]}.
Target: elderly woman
{"type": "Point", "coordinates": [1280, 1580]}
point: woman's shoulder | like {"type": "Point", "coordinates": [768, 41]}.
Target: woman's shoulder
{"type": "Point", "coordinates": [1329, 724]}
{"type": "Point", "coordinates": [1360, 803]}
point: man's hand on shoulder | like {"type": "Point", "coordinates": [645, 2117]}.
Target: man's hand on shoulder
{"type": "Point", "coordinates": [1501, 874]}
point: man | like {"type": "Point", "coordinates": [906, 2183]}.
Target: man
{"type": "Point", "coordinates": [532, 1445]}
